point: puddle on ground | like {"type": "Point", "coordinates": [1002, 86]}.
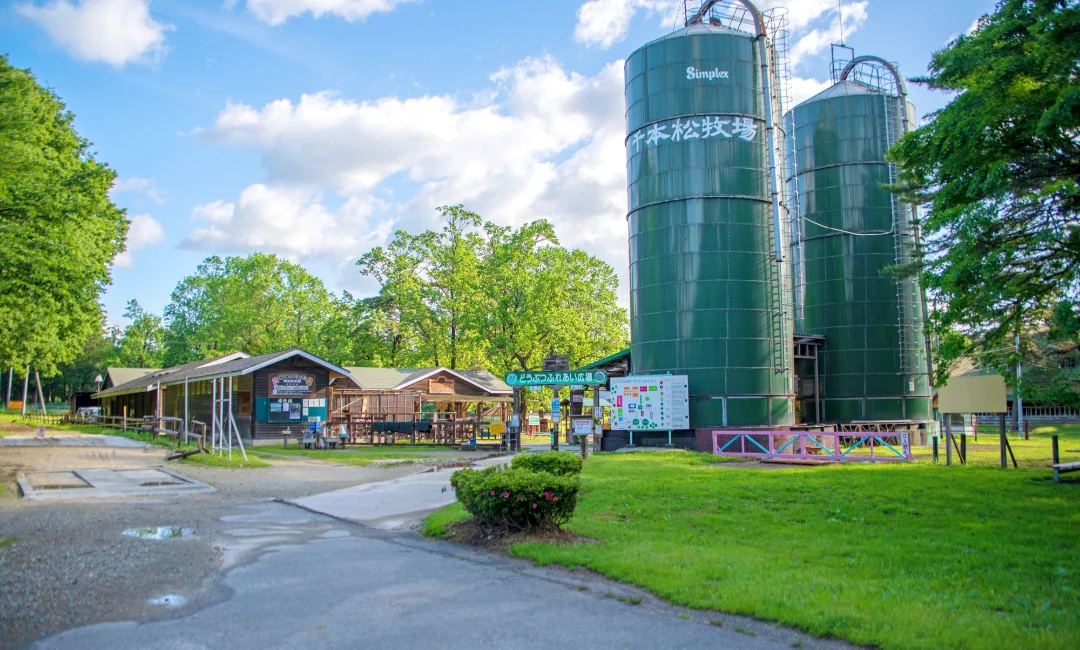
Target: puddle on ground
{"type": "Point", "coordinates": [159, 532]}
{"type": "Point", "coordinates": [171, 600]}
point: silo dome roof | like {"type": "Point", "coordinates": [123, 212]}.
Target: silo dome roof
{"type": "Point", "coordinates": [843, 89]}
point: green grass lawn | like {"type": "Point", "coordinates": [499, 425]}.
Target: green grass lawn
{"type": "Point", "coordinates": [896, 556]}
{"type": "Point", "coordinates": [236, 462]}
{"type": "Point", "coordinates": [356, 455]}
{"type": "Point", "coordinates": [1033, 453]}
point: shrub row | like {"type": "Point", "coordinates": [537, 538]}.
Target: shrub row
{"type": "Point", "coordinates": [515, 498]}
{"type": "Point", "coordinates": [559, 463]}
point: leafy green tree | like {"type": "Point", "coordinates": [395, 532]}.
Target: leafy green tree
{"type": "Point", "coordinates": [256, 304]}
{"type": "Point", "coordinates": [432, 280]}
{"type": "Point", "coordinates": [364, 332]}
{"type": "Point", "coordinates": [98, 353]}
{"type": "Point", "coordinates": [141, 345]}
{"type": "Point", "coordinates": [478, 295]}
{"type": "Point", "coordinates": [59, 231]}
{"type": "Point", "coordinates": [999, 170]}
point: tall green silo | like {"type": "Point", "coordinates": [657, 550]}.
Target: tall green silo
{"type": "Point", "coordinates": [848, 230]}
{"type": "Point", "coordinates": [707, 222]}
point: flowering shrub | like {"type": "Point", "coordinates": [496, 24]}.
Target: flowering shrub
{"type": "Point", "coordinates": [516, 499]}
{"type": "Point", "coordinates": [559, 463]}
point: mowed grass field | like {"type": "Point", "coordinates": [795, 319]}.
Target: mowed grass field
{"type": "Point", "coordinates": [894, 556]}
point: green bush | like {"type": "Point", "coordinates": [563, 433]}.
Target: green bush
{"type": "Point", "coordinates": [559, 463]}
{"type": "Point", "coordinates": [515, 498]}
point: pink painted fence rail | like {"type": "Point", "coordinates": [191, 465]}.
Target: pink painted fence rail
{"type": "Point", "coordinates": [845, 447]}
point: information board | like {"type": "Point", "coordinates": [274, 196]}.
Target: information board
{"type": "Point", "coordinates": [650, 403]}
{"type": "Point", "coordinates": [292, 384]}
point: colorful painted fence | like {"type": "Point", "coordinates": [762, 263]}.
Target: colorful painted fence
{"type": "Point", "coordinates": [842, 447]}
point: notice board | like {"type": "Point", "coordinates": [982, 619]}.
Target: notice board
{"type": "Point", "coordinates": [973, 394]}
{"type": "Point", "coordinates": [650, 403]}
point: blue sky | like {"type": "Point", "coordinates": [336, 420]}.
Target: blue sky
{"type": "Point", "coordinates": [314, 128]}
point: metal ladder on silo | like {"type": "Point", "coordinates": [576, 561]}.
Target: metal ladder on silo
{"type": "Point", "coordinates": [906, 293]}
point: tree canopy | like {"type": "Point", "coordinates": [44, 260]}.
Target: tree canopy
{"type": "Point", "coordinates": [59, 231]}
{"type": "Point", "coordinates": [999, 171]}
{"type": "Point", "coordinates": [479, 295]}
{"type": "Point", "coordinates": [256, 304]}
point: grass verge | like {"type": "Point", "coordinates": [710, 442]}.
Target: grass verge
{"type": "Point", "coordinates": [7, 541]}
{"type": "Point", "coordinates": [435, 524]}
{"type": "Point", "coordinates": [236, 462]}
{"type": "Point", "coordinates": [894, 556]}
{"type": "Point", "coordinates": [362, 456]}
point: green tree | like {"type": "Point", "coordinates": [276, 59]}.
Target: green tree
{"type": "Point", "coordinates": [98, 353]}
{"type": "Point", "coordinates": [256, 304]}
{"type": "Point", "coordinates": [433, 283]}
{"type": "Point", "coordinates": [141, 345]}
{"type": "Point", "coordinates": [478, 295]}
{"type": "Point", "coordinates": [999, 171]}
{"type": "Point", "coordinates": [58, 229]}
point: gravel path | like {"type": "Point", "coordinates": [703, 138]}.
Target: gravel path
{"type": "Point", "coordinates": [70, 564]}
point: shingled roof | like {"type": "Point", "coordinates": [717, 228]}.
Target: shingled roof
{"type": "Point", "coordinates": [400, 378]}
{"type": "Point", "coordinates": [229, 365]}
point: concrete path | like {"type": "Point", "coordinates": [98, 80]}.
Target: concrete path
{"type": "Point", "coordinates": [390, 504]}
{"type": "Point", "coordinates": [373, 590]}
{"type": "Point", "coordinates": [58, 439]}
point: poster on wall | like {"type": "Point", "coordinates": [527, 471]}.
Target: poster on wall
{"type": "Point", "coordinates": [650, 403]}
{"type": "Point", "coordinates": [286, 410]}
{"type": "Point", "coordinates": [291, 384]}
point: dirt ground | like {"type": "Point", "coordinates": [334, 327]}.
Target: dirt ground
{"type": "Point", "coordinates": [67, 563]}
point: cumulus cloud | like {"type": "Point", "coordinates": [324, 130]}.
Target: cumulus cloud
{"type": "Point", "coordinates": [135, 184]}
{"type": "Point", "coordinates": [143, 231]}
{"type": "Point", "coordinates": [117, 32]}
{"type": "Point", "coordinates": [541, 142]}
{"type": "Point", "coordinates": [277, 12]}
{"type": "Point", "coordinates": [817, 39]}
{"type": "Point", "coordinates": [602, 23]}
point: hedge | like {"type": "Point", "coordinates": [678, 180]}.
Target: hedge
{"type": "Point", "coordinates": [515, 498]}
{"type": "Point", "coordinates": [559, 463]}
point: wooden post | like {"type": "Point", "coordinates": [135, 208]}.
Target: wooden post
{"type": "Point", "coordinates": [10, 378]}
{"type": "Point", "coordinates": [963, 449]}
{"type": "Point", "coordinates": [936, 448]}
{"type": "Point", "coordinates": [1054, 452]}
{"type": "Point", "coordinates": [41, 398]}
{"type": "Point", "coordinates": [948, 439]}
{"type": "Point", "coordinates": [123, 421]}
{"type": "Point", "coordinates": [1001, 436]}
{"type": "Point", "coordinates": [25, 390]}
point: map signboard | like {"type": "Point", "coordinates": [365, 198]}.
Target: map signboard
{"type": "Point", "coordinates": [650, 403]}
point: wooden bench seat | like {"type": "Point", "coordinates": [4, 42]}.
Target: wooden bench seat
{"type": "Point", "coordinates": [1065, 468]}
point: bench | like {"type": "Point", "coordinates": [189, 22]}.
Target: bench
{"type": "Point", "coordinates": [1065, 468]}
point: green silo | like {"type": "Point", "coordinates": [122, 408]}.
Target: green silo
{"type": "Point", "coordinates": [708, 260]}
{"type": "Point", "coordinates": [848, 230]}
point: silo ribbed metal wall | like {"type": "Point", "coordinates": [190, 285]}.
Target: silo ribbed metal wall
{"type": "Point", "coordinates": [874, 357]}
{"type": "Point", "coordinates": [705, 289]}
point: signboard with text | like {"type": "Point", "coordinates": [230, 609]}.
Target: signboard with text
{"type": "Point", "coordinates": [291, 384]}
{"type": "Point", "coordinates": [650, 403]}
{"type": "Point", "coordinates": [545, 378]}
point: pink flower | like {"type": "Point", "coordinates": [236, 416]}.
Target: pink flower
{"type": "Point", "coordinates": [493, 493]}
{"type": "Point", "coordinates": [534, 506]}
{"type": "Point", "coordinates": [555, 499]}
{"type": "Point", "coordinates": [547, 495]}
{"type": "Point", "coordinates": [506, 495]}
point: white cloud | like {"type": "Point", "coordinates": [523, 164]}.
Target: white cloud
{"type": "Point", "coordinates": [602, 23]}
{"type": "Point", "coordinates": [277, 12]}
{"type": "Point", "coordinates": [136, 184]}
{"type": "Point", "coordinates": [117, 32]}
{"type": "Point", "coordinates": [143, 231]}
{"type": "Point", "coordinates": [803, 88]}
{"type": "Point", "coordinates": [541, 142]}
{"type": "Point", "coordinates": [291, 221]}
{"type": "Point", "coordinates": [818, 39]}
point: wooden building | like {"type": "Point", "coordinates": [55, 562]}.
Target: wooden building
{"type": "Point", "coordinates": [264, 394]}
{"type": "Point", "coordinates": [437, 405]}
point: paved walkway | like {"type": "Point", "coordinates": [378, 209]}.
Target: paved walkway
{"type": "Point", "coordinates": [375, 590]}
{"type": "Point", "coordinates": [61, 439]}
{"type": "Point", "coordinates": [390, 504]}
